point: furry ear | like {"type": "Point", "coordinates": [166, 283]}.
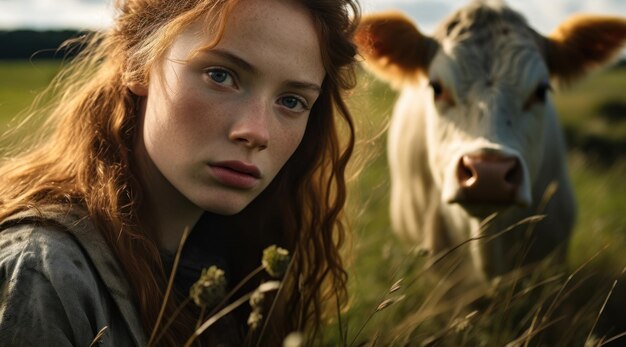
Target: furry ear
{"type": "Point", "coordinates": [582, 43]}
{"type": "Point", "coordinates": [393, 47]}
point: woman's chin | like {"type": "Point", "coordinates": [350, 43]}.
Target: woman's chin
{"type": "Point", "coordinates": [225, 207]}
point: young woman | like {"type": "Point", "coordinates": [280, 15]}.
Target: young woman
{"type": "Point", "coordinates": [223, 116]}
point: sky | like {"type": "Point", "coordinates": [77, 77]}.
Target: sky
{"type": "Point", "coordinates": [543, 15]}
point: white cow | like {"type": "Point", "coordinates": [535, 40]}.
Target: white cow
{"type": "Point", "coordinates": [474, 131]}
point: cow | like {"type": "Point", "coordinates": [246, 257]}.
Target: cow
{"type": "Point", "coordinates": [475, 149]}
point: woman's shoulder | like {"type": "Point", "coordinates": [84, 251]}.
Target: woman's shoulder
{"type": "Point", "coordinates": [50, 282]}
{"type": "Point", "coordinates": [40, 242]}
{"type": "Point", "coordinates": [31, 242]}
{"type": "Point", "coordinates": [42, 261]}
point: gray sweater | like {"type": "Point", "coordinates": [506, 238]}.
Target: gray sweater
{"type": "Point", "coordinates": [61, 287]}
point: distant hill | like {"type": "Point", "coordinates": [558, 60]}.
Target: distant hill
{"type": "Point", "coordinates": [32, 44]}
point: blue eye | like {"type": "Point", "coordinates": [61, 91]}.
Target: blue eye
{"type": "Point", "coordinates": [221, 76]}
{"type": "Point", "coordinates": [293, 103]}
{"type": "Point", "coordinates": [290, 102]}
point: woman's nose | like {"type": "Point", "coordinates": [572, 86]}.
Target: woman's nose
{"type": "Point", "coordinates": [252, 127]}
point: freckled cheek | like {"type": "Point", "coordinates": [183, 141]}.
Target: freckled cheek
{"type": "Point", "coordinates": [288, 141]}
{"type": "Point", "coordinates": [196, 116]}
{"type": "Point", "coordinates": [190, 102]}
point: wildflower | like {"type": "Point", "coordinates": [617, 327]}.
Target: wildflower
{"type": "Point", "coordinates": [275, 261]}
{"type": "Point", "coordinates": [294, 339]}
{"type": "Point", "coordinates": [255, 318]}
{"type": "Point", "coordinates": [256, 299]}
{"type": "Point", "coordinates": [210, 288]}
{"type": "Point", "coordinates": [256, 302]}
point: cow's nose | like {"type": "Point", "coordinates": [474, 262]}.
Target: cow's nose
{"type": "Point", "coordinates": [489, 179]}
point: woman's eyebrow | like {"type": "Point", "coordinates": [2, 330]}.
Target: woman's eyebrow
{"type": "Point", "coordinates": [231, 57]}
{"type": "Point", "coordinates": [304, 85]}
{"type": "Point", "coordinates": [243, 64]}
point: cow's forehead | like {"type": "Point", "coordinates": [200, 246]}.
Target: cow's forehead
{"type": "Point", "coordinates": [482, 19]}
{"type": "Point", "coordinates": [490, 40]}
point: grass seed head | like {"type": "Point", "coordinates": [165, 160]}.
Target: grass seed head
{"type": "Point", "coordinates": [275, 261]}
{"type": "Point", "coordinates": [256, 299]}
{"type": "Point", "coordinates": [294, 339]}
{"type": "Point", "coordinates": [255, 319]}
{"type": "Point", "coordinates": [210, 288]}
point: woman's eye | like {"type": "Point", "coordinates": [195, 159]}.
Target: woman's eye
{"type": "Point", "coordinates": [221, 76]}
{"type": "Point", "coordinates": [293, 103]}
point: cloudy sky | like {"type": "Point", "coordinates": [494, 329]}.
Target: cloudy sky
{"type": "Point", "coordinates": [544, 15]}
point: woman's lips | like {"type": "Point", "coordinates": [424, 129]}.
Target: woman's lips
{"type": "Point", "coordinates": [236, 174]}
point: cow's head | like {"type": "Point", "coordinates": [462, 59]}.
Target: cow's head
{"type": "Point", "coordinates": [486, 77]}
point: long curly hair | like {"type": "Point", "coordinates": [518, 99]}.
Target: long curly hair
{"type": "Point", "coordinates": [85, 158]}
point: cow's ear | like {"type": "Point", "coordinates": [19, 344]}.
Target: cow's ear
{"type": "Point", "coordinates": [582, 43]}
{"type": "Point", "coordinates": [393, 48]}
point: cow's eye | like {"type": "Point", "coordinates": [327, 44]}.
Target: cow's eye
{"type": "Point", "coordinates": [539, 95]}
{"type": "Point", "coordinates": [440, 93]}
{"type": "Point", "coordinates": [437, 88]}
{"type": "Point", "coordinates": [541, 92]}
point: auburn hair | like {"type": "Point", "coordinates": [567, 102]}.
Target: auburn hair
{"type": "Point", "coordinates": [85, 158]}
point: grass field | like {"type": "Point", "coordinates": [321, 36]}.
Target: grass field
{"type": "Point", "coordinates": [593, 113]}
{"type": "Point", "coordinates": [594, 117]}
{"type": "Point", "coordinates": [20, 81]}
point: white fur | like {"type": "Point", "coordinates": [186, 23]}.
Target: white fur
{"type": "Point", "coordinates": [427, 139]}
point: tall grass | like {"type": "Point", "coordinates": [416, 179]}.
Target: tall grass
{"type": "Point", "coordinates": [20, 82]}
{"type": "Point", "coordinates": [577, 304]}
{"type": "Point", "coordinates": [396, 302]}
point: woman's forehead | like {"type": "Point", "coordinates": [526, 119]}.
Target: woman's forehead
{"type": "Point", "coordinates": [262, 32]}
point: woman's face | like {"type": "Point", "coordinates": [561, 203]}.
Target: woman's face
{"type": "Point", "coordinates": [219, 125]}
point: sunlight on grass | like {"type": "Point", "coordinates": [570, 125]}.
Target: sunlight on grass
{"type": "Point", "coordinates": [592, 115]}
{"type": "Point", "coordinates": [380, 259]}
{"type": "Point", "coordinates": [20, 82]}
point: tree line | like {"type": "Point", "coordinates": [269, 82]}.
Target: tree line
{"type": "Point", "coordinates": [33, 44]}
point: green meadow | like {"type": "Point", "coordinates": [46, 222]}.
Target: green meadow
{"type": "Point", "coordinates": [20, 82]}
{"type": "Point", "coordinates": [581, 303]}
{"type": "Point", "coordinates": [393, 299]}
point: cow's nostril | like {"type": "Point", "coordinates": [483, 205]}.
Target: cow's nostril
{"type": "Point", "coordinates": [488, 178]}
{"type": "Point", "coordinates": [464, 171]}
{"type": "Point", "coordinates": [514, 174]}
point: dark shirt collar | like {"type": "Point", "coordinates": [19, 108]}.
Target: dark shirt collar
{"type": "Point", "coordinates": [206, 245]}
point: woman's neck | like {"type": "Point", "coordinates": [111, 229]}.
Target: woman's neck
{"type": "Point", "coordinates": [165, 212]}
{"type": "Point", "coordinates": [168, 218]}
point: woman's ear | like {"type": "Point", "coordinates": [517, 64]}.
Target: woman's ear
{"type": "Point", "coordinates": [138, 88]}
